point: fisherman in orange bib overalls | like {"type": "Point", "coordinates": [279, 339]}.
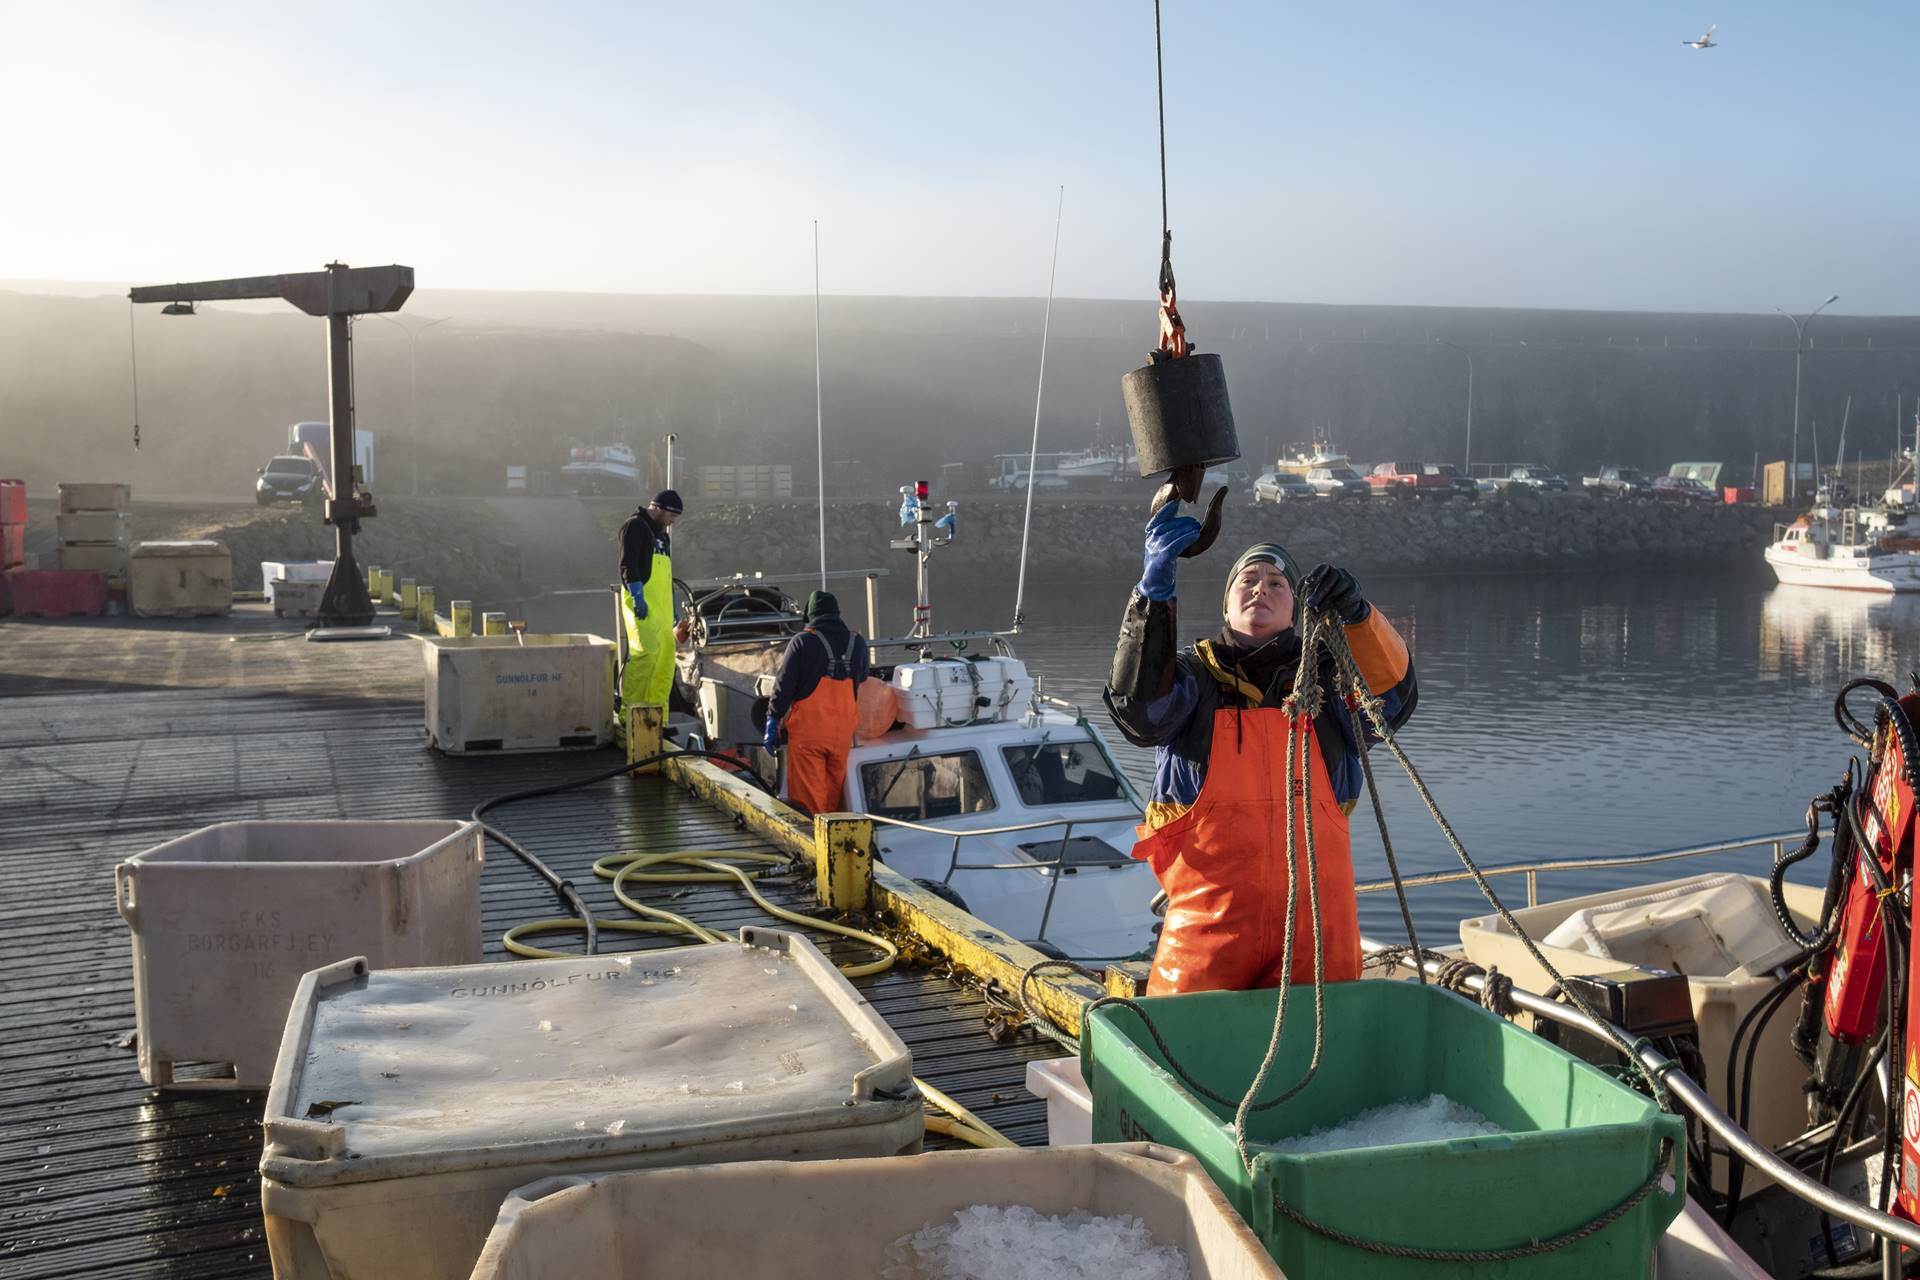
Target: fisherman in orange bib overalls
{"type": "Point", "coordinates": [814, 703]}
{"type": "Point", "coordinates": [1216, 831]}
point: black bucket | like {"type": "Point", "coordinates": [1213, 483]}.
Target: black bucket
{"type": "Point", "coordinates": [1179, 415]}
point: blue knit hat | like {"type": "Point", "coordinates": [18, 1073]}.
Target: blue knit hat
{"type": "Point", "coordinates": [668, 500]}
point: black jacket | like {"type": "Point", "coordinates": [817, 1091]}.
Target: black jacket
{"type": "Point", "coordinates": [806, 661]}
{"type": "Point", "coordinates": [638, 539]}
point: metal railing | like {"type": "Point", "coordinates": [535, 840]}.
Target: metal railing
{"type": "Point", "coordinates": [1532, 870]}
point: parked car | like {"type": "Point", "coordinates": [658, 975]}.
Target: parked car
{"type": "Point", "coordinates": [287, 478]}
{"type": "Point", "coordinates": [1408, 480]}
{"type": "Point", "coordinates": [1338, 482]}
{"type": "Point", "coordinates": [1683, 489]}
{"type": "Point", "coordinates": [1282, 486]}
{"type": "Point", "coordinates": [1529, 476]}
{"type": "Point", "coordinates": [1448, 474]}
{"type": "Point", "coordinates": [1618, 482]}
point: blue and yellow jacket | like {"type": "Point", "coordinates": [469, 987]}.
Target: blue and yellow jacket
{"type": "Point", "coordinates": [1165, 697]}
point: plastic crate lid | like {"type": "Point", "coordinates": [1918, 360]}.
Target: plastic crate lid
{"type": "Point", "coordinates": [400, 1072]}
{"type": "Point", "coordinates": [143, 550]}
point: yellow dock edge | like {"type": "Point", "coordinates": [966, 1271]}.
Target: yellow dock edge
{"type": "Point", "coordinates": [972, 945]}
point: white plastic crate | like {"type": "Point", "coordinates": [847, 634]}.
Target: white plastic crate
{"type": "Point", "coordinates": [83, 496]}
{"type": "Point", "coordinates": [1718, 929]}
{"type": "Point", "coordinates": [96, 528]}
{"type": "Point", "coordinates": [518, 693]}
{"type": "Point", "coordinates": [1069, 1102]}
{"type": "Point", "coordinates": [226, 921]}
{"type": "Point", "coordinates": [408, 1103]}
{"type": "Point", "coordinates": [838, 1219]}
{"type": "Point", "coordinates": [950, 691]}
{"type": "Point", "coordinates": [180, 579]}
{"type": "Point", "coordinates": [295, 599]}
{"type": "Point", "coordinates": [272, 571]}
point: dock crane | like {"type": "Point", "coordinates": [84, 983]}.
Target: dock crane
{"type": "Point", "coordinates": [339, 293]}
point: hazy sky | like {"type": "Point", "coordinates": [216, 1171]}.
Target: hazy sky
{"type": "Point", "coordinates": [1447, 153]}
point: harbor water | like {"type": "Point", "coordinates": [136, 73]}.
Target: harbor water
{"type": "Point", "coordinates": [1559, 714]}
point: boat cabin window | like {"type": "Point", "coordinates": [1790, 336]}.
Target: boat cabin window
{"type": "Point", "coordinates": [919, 788]}
{"type": "Point", "coordinates": [1060, 773]}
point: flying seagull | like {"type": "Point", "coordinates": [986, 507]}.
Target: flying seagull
{"type": "Point", "coordinates": [1705, 41]}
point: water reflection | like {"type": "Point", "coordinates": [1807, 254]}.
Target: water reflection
{"type": "Point", "coordinates": [1559, 714]}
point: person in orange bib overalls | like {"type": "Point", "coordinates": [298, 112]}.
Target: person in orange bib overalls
{"type": "Point", "coordinates": [1216, 830]}
{"type": "Point", "coordinates": [815, 705]}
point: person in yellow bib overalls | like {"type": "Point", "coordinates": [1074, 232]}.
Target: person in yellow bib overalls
{"type": "Point", "coordinates": [646, 606]}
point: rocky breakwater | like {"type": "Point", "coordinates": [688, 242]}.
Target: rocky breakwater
{"type": "Point", "coordinates": [1099, 540]}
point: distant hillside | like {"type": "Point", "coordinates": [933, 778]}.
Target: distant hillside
{"type": "Point", "coordinates": [913, 383]}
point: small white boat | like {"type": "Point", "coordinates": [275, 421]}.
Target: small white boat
{"type": "Point", "coordinates": [1849, 549]}
{"type": "Point", "coordinates": [606, 468]}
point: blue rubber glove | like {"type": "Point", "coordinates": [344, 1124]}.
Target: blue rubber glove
{"type": "Point", "coordinates": [771, 738]}
{"type": "Point", "coordinates": [1168, 534]}
{"type": "Point", "coordinates": [637, 600]}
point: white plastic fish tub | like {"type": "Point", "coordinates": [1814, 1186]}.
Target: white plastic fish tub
{"type": "Point", "coordinates": [839, 1218]}
{"type": "Point", "coordinates": [1069, 1102]}
{"type": "Point", "coordinates": [180, 579]}
{"type": "Point", "coordinates": [295, 599]}
{"type": "Point", "coordinates": [407, 1103]}
{"type": "Point", "coordinates": [226, 921]}
{"type": "Point", "coordinates": [1718, 929]}
{"type": "Point", "coordinates": [519, 693]}
{"type": "Point", "coordinates": [272, 571]}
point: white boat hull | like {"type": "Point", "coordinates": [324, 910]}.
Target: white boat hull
{"type": "Point", "coordinates": [1885, 573]}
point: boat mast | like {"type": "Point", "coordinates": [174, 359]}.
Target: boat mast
{"type": "Point", "coordinates": [1033, 451]}
{"type": "Point", "coordinates": [819, 418]}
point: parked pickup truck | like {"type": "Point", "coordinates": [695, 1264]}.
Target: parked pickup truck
{"type": "Point", "coordinates": [1408, 480]}
{"type": "Point", "coordinates": [1618, 482]}
{"type": "Point", "coordinates": [1529, 476]}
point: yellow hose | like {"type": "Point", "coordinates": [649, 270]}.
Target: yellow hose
{"type": "Point", "coordinates": [950, 1128]}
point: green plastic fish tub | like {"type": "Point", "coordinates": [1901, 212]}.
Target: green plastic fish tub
{"type": "Point", "coordinates": [1578, 1142]}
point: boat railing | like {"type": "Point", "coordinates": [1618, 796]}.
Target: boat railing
{"type": "Point", "coordinates": [1056, 864]}
{"type": "Point", "coordinates": [1533, 870]}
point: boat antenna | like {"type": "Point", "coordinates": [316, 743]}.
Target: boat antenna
{"type": "Point", "coordinates": [1033, 451]}
{"type": "Point", "coordinates": [819, 418]}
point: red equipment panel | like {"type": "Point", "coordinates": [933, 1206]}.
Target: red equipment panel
{"type": "Point", "coordinates": [58, 593]}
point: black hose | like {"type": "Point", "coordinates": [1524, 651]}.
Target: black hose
{"type": "Point", "coordinates": [570, 900]}
{"type": "Point", "coordinates": [1837, 868]}
{"type": "Point", "coordinates": [1831, 1152]}
{"type": "Point", "coordinates": [1844, 717]}
{"type": "Point", "coordinates": [1762, 1011]}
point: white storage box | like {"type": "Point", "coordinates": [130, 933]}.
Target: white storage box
{"type": "Point", "coordinates": [110, 560]}
{"type": "Point", "coordinates": [272, 571]}
{"type": "Point", "coordinates": [839, 1219]}
{"type": "Point", "coordinates": [950, 691]}
{"type": "Point", "coordinates": [519, 693]}
{"type": "Point", "coordinates": [180, 580]}
{"type": "Point", "coordinates": [95, 497]}
{"type": "Point", "coordinates": [1719, 930]}
{"type": "Point", "coordinates": [226, 920]}
{"type": "Point", "coordinates": [295, 599]}
{"type": "Point", "coordinates": [408, 1103]}
{"type": "Point", "coordinates": [1069, 1101]}
{"type": "Point", "coordinates": [108, 528]}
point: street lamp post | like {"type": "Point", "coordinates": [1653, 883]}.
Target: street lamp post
{"type": "Point", "coordinates": [1467, 463]}
{"type": "Point", "coordinates": [1799, 334]}
{"type": "Point", "coordinates": [413, 380]}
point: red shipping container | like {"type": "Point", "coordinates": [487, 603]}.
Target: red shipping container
{"type": "Point", "coordinates": [58, 593]}
{"type": "Point", "coordinates": [13, 546]}
{"type": "Point", "coordinates": [13, 502]}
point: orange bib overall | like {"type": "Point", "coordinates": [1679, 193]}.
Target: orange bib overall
{"type": "Point", "coordinates": [1224, 866]}
{"type": "Point", "coordinates": [819, 735]}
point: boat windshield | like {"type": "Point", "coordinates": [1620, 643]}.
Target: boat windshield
{"type": "Point", "coordinates": [920, 788]}
{"type": "Point", "coordinates": [1049, 773]}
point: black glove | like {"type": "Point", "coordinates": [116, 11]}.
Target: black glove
{"type": "Point", "coordinates": [1329, 588]}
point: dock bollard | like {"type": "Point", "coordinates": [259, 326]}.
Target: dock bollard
{"type": "Point", "coordinates": [493, 624]}
{"type": "Point", "coordinates": [385, 593]}
{"type": "Point", "coordinates": [409, 596]}
{"type": "Point", "coordinates": [461, 611]}
{"type": "Point", "coordinates": [373, 581]}
{"type": "Point", "coordinates": [423, 608]}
